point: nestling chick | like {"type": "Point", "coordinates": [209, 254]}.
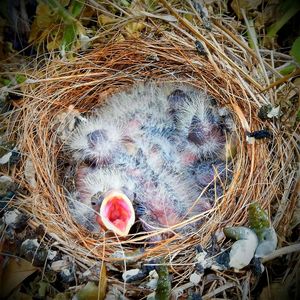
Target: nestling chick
{"type": "Point", "coordinates": [149, 152]}
{"type": "Point", "coordinates": [107, 191]}
{"type": "Point", "coordinates": [158, 200]}
{"type": "Point", "coordinates": [200, 126]}
{"type": "Point", "coordinates": [96, 141]}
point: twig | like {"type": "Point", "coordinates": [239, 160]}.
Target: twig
{"type": "Point", "coordinates": [226, 286]}
{"type": "Point", "coordinates": [281, 251]}
{"type": "Point", "coordinates": [282, 80]}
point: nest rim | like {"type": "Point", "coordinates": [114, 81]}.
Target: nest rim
{"type": "Point", "coordinates": [103, 72]}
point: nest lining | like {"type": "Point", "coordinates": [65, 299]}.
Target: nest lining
{"type": "Point", "coordinates": [83, 84]}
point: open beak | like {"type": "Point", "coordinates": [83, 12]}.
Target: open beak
{"type": "Point", "coordinates": [116, 213]}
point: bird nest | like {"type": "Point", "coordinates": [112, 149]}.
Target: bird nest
{"type": "Point", "coordinates": [60, 91]}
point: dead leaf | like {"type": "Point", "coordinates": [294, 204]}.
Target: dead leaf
{"type": "Point", "coordinates": [275, 291]}
{"type": "Point", "coordinates": [43, 16]}
{"type": "Point", "coordinates": [44, 19]}
{"type": "Point", "coordinates": [102, 282]}
{"type": "Point", "coordinates": [296, 215]}
{"type": "Point", "coordinates": [104, 20]}
{"type": "Point", "coordinates": [14, 272]}
{"type": "Point", "coordinates": [133, 29]}
{"type": "Point", "coordinates": [84, 41]}
{"type": "Point", "coordinates": [88, 292]}
{"type": "Point", "coordinates": [62, 296]}
{"type": "Point", "coordinates": [6, 185]}
{"type": "Point", "coordinates": [5, 158]}
{"type": "Point", "coordinates": [152, 283]}
{"type": "Point", "coordinates": [20, 296]}
{"type": "Point", "coordinates": [54, 44]}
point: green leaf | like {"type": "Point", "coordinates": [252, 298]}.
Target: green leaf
{"type": "Point", "coordinates": [163, 289]}
{"type": "Point", "coordinates": [295, 51]}
{"type": "Point", "coordinates": [20, 78]}
{"type": "Point", "coordinates": [238, 233]}
{"type": "Point", "coordinates": [76, 7]}
{"type": "Point", "coordinates": [124, 3]}
{"type": "Point", "coordinates": [258, 219]}
{"type": "Point", "coordinates": [298, 116]}
{"type": "Point", "coordinates": [43, 287]}
{"type": "Point", "coordinates": [69, 37]}
{"type": "Point", "coordinates": [91, 291]}
{"type": "Point", "coordinates": [5, 82]}
{"type": "Point", "coordinates": [288, 69]}
{"type": "Point", "coordinates": [291, 7]}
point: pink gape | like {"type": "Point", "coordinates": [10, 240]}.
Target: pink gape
{"type": "Point", "coordinates": [150, 152]}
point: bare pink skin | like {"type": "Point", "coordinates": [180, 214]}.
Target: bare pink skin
{"type": "Point", "coordinates": [84, 193]}
{"type": "Point", "coordinates": [188, 158]}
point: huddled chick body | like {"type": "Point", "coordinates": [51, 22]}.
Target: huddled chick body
{"type": "Point", "coordinates": [161, 145]}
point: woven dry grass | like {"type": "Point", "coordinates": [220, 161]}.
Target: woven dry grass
{"type": "Point", "coordinates": [233, 74]}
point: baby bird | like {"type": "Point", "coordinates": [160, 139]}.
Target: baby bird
{"type": "Point", "coordinates": [110, 193]}
{"type": "Point", "coordinates": [96, 141]}
{"type": "Point", "coordinates": [149, 152]}
{"type": "Point", "coordinates": [200, 127]}
{"type": "Point", "coordinates": [158, 200]}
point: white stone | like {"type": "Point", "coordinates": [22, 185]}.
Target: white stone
{"type": "Point", "coordinates": [129, 273]}
{"type": "Point", "coordinates": [5, 158]}
{"type": "Point", "coordinates": [51, 254]}
{"type": "Point", "coordinates": [195, 278]}
{"type": "Point", "coordinates": [11, 217]}
{"type": "Point", "coordinates": [274, 112]}
{"type": "Point", "coordinates": [242, 251]}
